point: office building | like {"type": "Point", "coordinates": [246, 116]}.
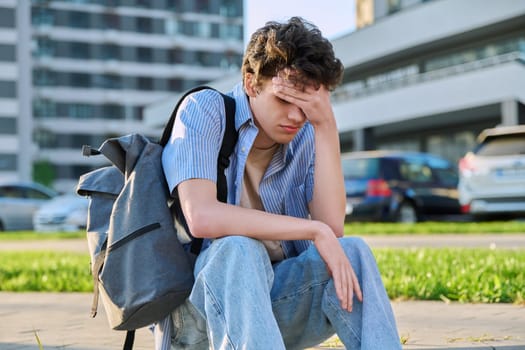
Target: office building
{"type": "Point", "coordinates": [79, 71]}
{"type": "Point", "coordinates": [430, 75]}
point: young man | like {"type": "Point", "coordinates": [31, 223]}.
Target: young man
{"type": "Point", "coordinates": [274, 272]}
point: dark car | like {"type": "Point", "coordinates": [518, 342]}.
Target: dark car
{"type": "Point", "coordinates": [399, 186]}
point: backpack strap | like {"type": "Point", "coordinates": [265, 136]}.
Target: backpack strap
{"type": "Point", "coordinates": [227, 146]}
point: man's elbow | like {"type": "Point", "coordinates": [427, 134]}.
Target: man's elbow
{"type": "Point", "coordinates": [200, 224]}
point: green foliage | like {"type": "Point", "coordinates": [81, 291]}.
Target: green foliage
{"type": "Point", "coordinates": [481, 227]}
{"type": "Point", "coordinates": [465, 275]}
{"type": "Point", "coordinates": [43, 172]}
{"type": "Point", "coordinates": [45, 272]}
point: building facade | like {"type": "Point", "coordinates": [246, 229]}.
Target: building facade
{"type": "Point", "coordinates": [79, 71]}
{"type": "Point", "coordinates": [424, 75]}
{"type": "Point", "coordinates": [430, 75]}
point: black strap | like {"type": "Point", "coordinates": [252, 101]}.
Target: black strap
{"type": "Point", "coordinates": [227, 146]}
{"type": "Point", "coordinates": [130, 338]}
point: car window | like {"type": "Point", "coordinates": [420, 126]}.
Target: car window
{"type": "Point", "coordinates": [502, 145]}
{"type": "Point", "coordinates": [11, 192]}
{"type": "Point", "coordinates": [415, 171]}
{"type": "Point", "coordinates": [360, 168]}
{"type": "Point", "coordinates": [35, 194]}
{"type": "Point", "coordinates": [446, 176]}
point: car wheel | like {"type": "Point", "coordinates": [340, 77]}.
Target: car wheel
{"type": "Point", "coordinates": [406, 213]}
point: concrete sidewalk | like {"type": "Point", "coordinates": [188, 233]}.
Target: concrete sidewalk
{"type": "Point", "coordinates": [62, 321]}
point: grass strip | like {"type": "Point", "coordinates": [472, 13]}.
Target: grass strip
{"type": "Point", "coordinates": [431, 227]}
{"type": "Point", "coordinates": [353, 228]}
{"type": "Point", "coordinates": [458, 274]}
{"type": "Point", "coordinates": [31, 235]}
{"type": "Point", "coordinates": [45, 272]}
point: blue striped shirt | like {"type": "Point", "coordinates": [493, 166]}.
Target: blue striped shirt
{"type": "Point", "coordinates": [192, 152]}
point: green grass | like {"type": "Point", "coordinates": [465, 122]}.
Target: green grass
{"type": "Point", "coordinates": [459, 274]}
{"type": "Point", "coordinates": [466, 275]}
{"type": "Point", "coordinates": [483, 227]}
{"type": "Point", "coordinates": [355, 228]}
{"type": "Point", "coordinates": [31, 235]}
{"type": "Point", "coordinates": [45, 272]}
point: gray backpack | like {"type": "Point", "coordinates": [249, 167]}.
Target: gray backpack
{"type": "Point", "coordinates": [140, 269]}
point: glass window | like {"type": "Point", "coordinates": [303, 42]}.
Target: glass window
{"type": "Point", "coordinates": [446, 176]}
{"type": "Point", "coordinates": [7, 53]}
{"type": "Point", "coordinates": [34, 194]}
{"type": "Point", "coordinates": [79, 19]}
{"type": "Point", "coordinates": [8, 125]}
{"type": "Point", "coordinates": [108, 81]}
{"type": "Point", "coordinates": [415, 171]}
{"type": "Point", "coordinates": [111, 21]}
{"type": "Point", "coordinates": [144, 54]}
{"type": "Point", "coordinates": [175, 84]}
{"type": "Point", "coordinates": [176, 56]}
{"type": "Point", "coordinates": [44, 48]}
{"type": "Point", "coordinates": [394, 6]}
{"type": "Point", "coordinates": [79, 50]}
{"type": "Point", "coordinates": [112, 111]}
{"type": "Point", "coordinates": [41, 16]}
{"type": "Point", "coordinates": [360, 168]}
{"type": "Point", "coordinates": [110, 52]}
{"type": "Point", "coordinates": [81, 111]}
{"type": "Point", "coordinates": [44, 77]}
{"type": "Point", "coordinates": [44, 108]}
{"type": "Point", "coordinates": [144, 24]}
{"type": "Point", "coordinates": [8, 162]}
{"type": "Point", "coordinates": [7, 88]}
{"type": "Point", "coordinates": [502, 145]}
{"type": "Point", "coordinates": [79, 80]}
{"type": "Point", "coordinates": [145, 83]}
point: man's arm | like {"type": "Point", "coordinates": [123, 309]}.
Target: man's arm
{"type": "Point", "coordinates": [328, 202]}
{"type": "Point", "coordinates": [208, 218]}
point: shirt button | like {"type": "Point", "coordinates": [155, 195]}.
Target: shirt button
{"type": "Point", "coordinates": [243, 149]}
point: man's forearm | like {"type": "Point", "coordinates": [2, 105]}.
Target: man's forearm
{"type": "Point", "coordinates": [328, 204]}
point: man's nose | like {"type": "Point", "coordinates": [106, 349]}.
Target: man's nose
{"type": "Point", "coordinates": [296, 114]}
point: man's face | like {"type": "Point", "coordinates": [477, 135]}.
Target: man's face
{"type": "Point", "coordinates": [278, 121]}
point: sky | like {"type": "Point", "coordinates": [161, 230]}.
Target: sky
{"type": "Point", "coordinates": [332, 17]}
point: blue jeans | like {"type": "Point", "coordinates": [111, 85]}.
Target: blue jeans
{"type": "Point", "coordinates": [241, 301]}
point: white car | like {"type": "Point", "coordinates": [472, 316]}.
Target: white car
{"type": "Point", "coordinates": [492, 176]}
{"type": "Point", "coordinates": [18, 203]}
{"type": "Point", "coordinates": [63, 213]}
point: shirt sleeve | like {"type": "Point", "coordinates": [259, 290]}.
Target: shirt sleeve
{"type": "Point", "coordinates": [195, 141]}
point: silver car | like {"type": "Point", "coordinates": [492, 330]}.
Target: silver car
{"type": "Point", "coordinates": [66, 212]}
{"type": "Point", "coordinates": [19, 201]}
{"type": "Point", "coordinates": [492, 176]}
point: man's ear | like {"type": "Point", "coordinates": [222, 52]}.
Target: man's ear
{"type": "Point", "coordinates": [249, 85]}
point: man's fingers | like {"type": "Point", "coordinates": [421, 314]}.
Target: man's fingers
{"type": "Point", "coordinates": [357, 287]}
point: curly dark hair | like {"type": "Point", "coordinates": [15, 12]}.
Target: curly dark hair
{"type": "Point", "coordinates": [296, 44]}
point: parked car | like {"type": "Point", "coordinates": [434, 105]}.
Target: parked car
{"type": "Point", "coordinates": [399, 186]}
{"type": "Point", "coordinates": [63, 213]}
{"type": "Point", "coordinates": [492, 176]}
{"type": "Point", "coordinates": [19, 201]}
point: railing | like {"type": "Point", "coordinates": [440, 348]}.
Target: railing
{"type": "Point", "coordinates": [359, 89]}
